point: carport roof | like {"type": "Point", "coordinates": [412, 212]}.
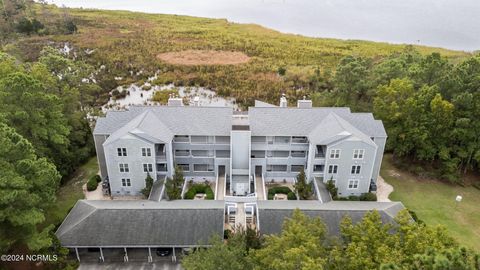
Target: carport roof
{"type": "Point", "coordinates": [272, 214]}
{"type": "Point", "coordinates": [141, 223]}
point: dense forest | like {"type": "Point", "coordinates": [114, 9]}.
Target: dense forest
{"type": "Point", "coordinates": [428, 98]}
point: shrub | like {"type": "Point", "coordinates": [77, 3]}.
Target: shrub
{"type": "Point", "coordinates": [92, 184]}
{"type": "Point", "coordinates": [173, 186]}
{"type": "Point", "coordinates": [368, 197]}
{"type": "Point", "coordinates": [148, 186]}
{"type": "Point", "coordinates": [163, 95]}
{"type": "Point", "coordinates": [332, 189]}
{"type": "Point", "coordinates": [97, 178]}
{"type": "Point", "coordinates": [303, 189]}
{"type": "Point", "coordinates": [282, 190]}
{"type": "Point", "coordinates": [227, 234]}
{"type": "Point", "coordinates": [415, 217]}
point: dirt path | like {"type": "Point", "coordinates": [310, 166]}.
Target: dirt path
{"type": "Point", "coordinates": [383, 190]}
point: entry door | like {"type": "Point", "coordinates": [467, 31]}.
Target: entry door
{"type": "Point", "coordinates": [258, 170]}
{"type": "Point", "coordinates": [241, 188]}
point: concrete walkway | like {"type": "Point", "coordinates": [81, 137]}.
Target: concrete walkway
{"type": "Point", "coordinates": [260, 187]}
{"type": "Point", "coordinates": [221, 187]}
{"type": "Point", "coordinates": [240, 216]}
{"type": "Point", "coordinates": [383, 190]}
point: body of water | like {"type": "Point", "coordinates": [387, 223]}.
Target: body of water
{"type": "Point", "coordinates": [453, 24]}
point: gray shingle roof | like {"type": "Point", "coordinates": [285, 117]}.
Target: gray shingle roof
{"type": "Point", "coordinates": [185, 120]}
{"type": "Point", "coordinates": [141, 223]}
{"type": "Point", "coordinates": [146, 126]}
{"type": "Point", "coordinates": [272, 214]}
{"type": "Point", "coordinates": [334, 128]}
{"type": "Point", "coordinates": [265, 121]}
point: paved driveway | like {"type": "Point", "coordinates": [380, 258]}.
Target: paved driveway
{"type": "Point", "coordinates": [164, 265]}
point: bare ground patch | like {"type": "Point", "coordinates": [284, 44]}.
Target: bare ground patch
{"type": "Point", "coordinates": [204, 57]}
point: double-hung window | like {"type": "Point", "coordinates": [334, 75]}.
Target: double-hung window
{"type": "Point", "coordinates": [147, 167]}
{"type": "Point", "coordinates": [126, 182]}
{"type": "Point", "coordinates": [353, 184]}
{"type": "Point", "coordinates": [335, 153]}
{"type": "Point", "coordinates": [124, 167]}
{"type": "Point", "coordinates": [358, 153]}
{"type": "Point", "coordinates": [355, 169]}
{"type": "Point", "coordinates": [146, 152]}
{"type": "Point", "coordinates": [332, 169]}
{"type": "Point", "coordinates": [122, 152]}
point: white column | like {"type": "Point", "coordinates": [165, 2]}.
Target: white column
{"type": "Point", "coordinates": [174, 258]}
{"type": "Point", "coordinates": [150, 255]}
{"type": "Point", "coordinates": [78, 256]}
{"type": "Point", "coordinates": [125, 257]}
{"type": "Point", "coordinates": [101, 255]}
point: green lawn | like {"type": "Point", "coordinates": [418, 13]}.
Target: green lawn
{"type": "Point", "coordinates": [71, 192]}
{"type": "Point", "coordinates": [434, 203]}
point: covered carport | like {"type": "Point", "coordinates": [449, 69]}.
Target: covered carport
{"type": "Point", "coordinates": [131, 231]}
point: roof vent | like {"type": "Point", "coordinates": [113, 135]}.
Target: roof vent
{"type": "Point", "coordinates": [283, 101]}
{"type": "Point", "coordinates": [304, 103]}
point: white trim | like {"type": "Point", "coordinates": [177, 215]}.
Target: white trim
{"type": "Point", "coordinates": [358, 154]}
{"type": "Point", "coordinates": [335, 153]}
{"type": "Point", "coordinates": [355, 171]}
{"type": "Point", "coordinates": [353, 180]}
{"type": "Point", "coordinates": [328, 169]}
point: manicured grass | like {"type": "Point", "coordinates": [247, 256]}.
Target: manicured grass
{"type": "Point", "coordinates": [434, 203]}
{"type": "Point", "coordinates": [70, 192]}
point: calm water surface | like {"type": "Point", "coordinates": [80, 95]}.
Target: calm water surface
{"type": "Point", "coordinates": [453, 24]}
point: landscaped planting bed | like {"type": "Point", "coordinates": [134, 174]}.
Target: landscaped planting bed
{"type": "Point", "coordinates": [281, 190]}
{"type": "Point", "coordinates": [198, 188]}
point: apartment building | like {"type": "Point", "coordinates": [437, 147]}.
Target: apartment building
{"type": "Point", "coordinates": [273, 142]}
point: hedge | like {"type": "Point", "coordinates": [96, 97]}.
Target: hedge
{"type": "Point", "coordinates": [364, 197]}
{"type": "Point", "coordinates": [199, 188]}
{"type": "Point", "coordinates": [93, 183]}
{"type": "Point", "coordinates": [281, 190]}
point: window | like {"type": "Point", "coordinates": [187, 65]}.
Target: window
{"type": "Point", "coordinates": [353, 184]}
{"type": "Point", "coordinates": [182, 153]}
{"type": "Point", "coordinates": [161, 167]}
{"type": "Point", "coordinates": [124, 167]}
{"type": "Point", "coordinates": [202, 153]}
{"type": "Point", "coordinates": [282, 140]}
{"type": "Point", "coordinates": [335, 153]}
{"type": "Point", "coordinates": [333, 169]}
{"type": "Point", "coordinates": [298, 154]}
{"type": "Point", "coordinates": [222, 139]}
{"type": "Point", "coordinates": [222, 153]}
{"type": "Point", "coordinates": [126, 182]}
{"type": "Point", "coordinates": [276, 168]}
{"type": "Point", "coordinates": [202, 167]}
{"type": "Point", "coordinates": [355, 169]}
{"type": "Point", "coordinates": [296, 139]}
{"type": "Point", "coordinates": [258, 154]}
{"type": "Point", "coordinates": [296, 168]}
{"type": "Point", "coordinates": [318, 168]}
{"type": "Point", "coordinates": [202, 139]}
{"type": "Point", "coordinates": [184, 167]}
{"type": "Point", "coordinates": [146, 152]}
{"type": "Point", "coordinates": [147, 167]}
{"type": "Point", "coordinates": [181, 139]}
{"type": "Point", "coordinates": [122, 152]}
{"type": "Point", "coordinates": [358, 153]}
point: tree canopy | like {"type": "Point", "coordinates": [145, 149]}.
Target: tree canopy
{"type": "Point", "coordinates": [28, 186]}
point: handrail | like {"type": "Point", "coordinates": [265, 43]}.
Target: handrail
{"type": "Point", "coordinates": [264, 187]}
{"type": "Point", "coordinates": [317, 190]}
{"type": "Point", "coordinates": [216, 185]}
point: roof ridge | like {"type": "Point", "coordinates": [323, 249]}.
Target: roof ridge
{"type": "Point", "coordinates": [79, 221]}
